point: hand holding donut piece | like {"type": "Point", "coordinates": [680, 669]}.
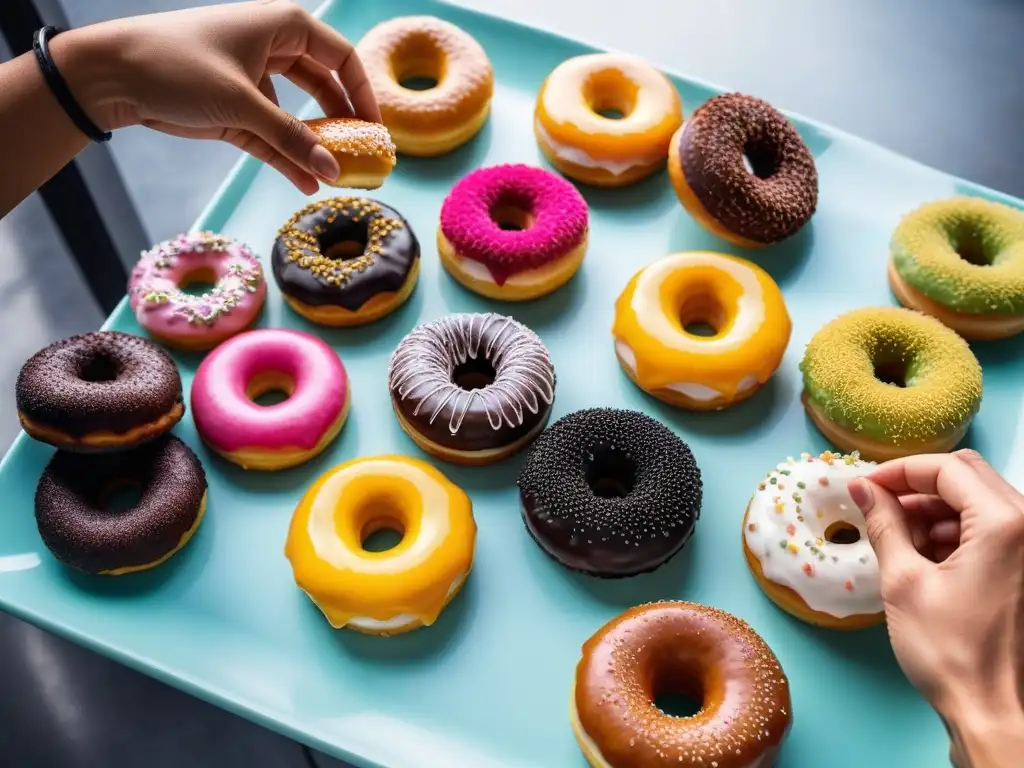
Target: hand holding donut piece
{"type": "Point", "coordinates": [364, 151]}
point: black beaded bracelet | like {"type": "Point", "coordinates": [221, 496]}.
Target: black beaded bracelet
{"type": "Point", "coordinates": [41, 48]}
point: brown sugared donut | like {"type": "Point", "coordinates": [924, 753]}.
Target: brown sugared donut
{"type": "Point", "coordinates": [78, 529]}
{"type": "Point", "coordinates": [99, 391]}
{"type": "Point", "coordinates": [684, 648]}
{"type": "Point", "coordinates": [753, 207]}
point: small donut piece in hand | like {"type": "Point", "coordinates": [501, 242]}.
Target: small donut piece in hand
{"type": "Point", "coordinates": [364, 150]}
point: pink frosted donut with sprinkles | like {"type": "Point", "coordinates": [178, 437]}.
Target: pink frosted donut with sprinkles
{"type": "Point", "coordinates": [189, 321]}
{"type": "Point", "coordinates": [513, 232]}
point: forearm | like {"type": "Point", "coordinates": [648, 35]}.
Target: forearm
{"type": "Point", "coordinates": [983, 736]}
{"type": "Point", "coordinates": [38, 138]}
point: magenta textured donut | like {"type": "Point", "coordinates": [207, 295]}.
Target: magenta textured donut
{"type": "Point", "coordinates": [513, 226]}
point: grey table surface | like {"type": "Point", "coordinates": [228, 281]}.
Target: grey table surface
{"type": "Point", "coordinates": [937, 80]}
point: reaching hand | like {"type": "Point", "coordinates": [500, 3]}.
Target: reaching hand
{"type": "Point", "coordinates": [949, 535]}
{"type": "Point", "coordinates": [205, 74]}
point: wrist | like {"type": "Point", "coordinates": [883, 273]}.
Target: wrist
{"type": "Point", "coordinates": [90, 65]}
{"type": "Point", "coordinates": [986, 732]}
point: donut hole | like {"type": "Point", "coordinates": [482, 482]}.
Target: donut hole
{"type": "Point", "coordinates": [120, 496]}
{"type": "Point", "coordinates": [610, 472]}
{"type": "Point", "coordinates": [841, 532]}
{"type": "Point", "coordinates": [475, 373]}
{"type": "Point", "coordinates": [416, 63]}
{"type": "Point", "coordinates": [892, 372]}
{"type": "Point", "coordinates": [512, 215]}
{"type": "Point", "coordinates": [969, 244]}
{"type": "Point", "coordinates": [98, 368]}
{"type": "Point", "coordinates": [270, 388]}
{"type": "Point", "coordinates": [380, 535]}
{"type": "Point", "coordinates": [346, 242]}
{"type": "Point", "coordinates": [681, 692]}
{"type": "Point", "coordinates": [198, 282]}
{"type": "Point", "coordinates": [760, 159]}
{"type": "Point", "coordinates": [418, 82]}
{"type": "Point", "coordinates": [610, 95]}
{"type": "Point", "coordinates": [679, 704]}
{"type": "Point", "coordinates": [702, 314]}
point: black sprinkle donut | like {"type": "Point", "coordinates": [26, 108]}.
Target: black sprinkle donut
{"type": "Point", "coordinates": [610, 492]}
{"type": "Point", "coordinates": [100, 391]}
{"type": "Point", "coordinates": [79, 531]}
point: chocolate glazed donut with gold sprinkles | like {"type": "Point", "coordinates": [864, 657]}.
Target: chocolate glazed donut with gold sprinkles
{"type": "Point", "coordinates": [741, 169]}
{"type": "Point", "coordinates": [346, 261]}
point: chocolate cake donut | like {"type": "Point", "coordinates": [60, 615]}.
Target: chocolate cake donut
{"type": "Point", "coordinates": [345, 261]}
{"type": "Point", "coordinates": [610, 492]}
{"type": "Point", "coordinates": [99, 391]}
{"type": "Point", "coordinates": [78, 529]}
{"type": "Point", "coordinates": [472, 388]}
{"type": "Point", "coordinates": [743, 171]}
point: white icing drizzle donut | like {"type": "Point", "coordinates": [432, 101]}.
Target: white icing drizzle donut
{"type": "Point", "coordinates": [785, 528]}
{"type": "Point", "coordinates": [421, 371]}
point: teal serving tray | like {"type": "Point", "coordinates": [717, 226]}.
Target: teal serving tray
{"type": "Point", "coordinates": [488, 685]}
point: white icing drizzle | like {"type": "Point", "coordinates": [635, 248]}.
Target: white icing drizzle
{"type": "Point", "coordinates": [785, 529]}
{"type": "Point", "coordinates": [422, 368]}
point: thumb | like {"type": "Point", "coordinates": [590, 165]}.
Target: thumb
{"type": "Point", "coordinates": [887, 526]}
{"type": "Point", "coordinates": [288, 136]}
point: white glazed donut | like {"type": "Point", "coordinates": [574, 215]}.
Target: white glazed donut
{"type": "Point", "coordinates": [794, 533]}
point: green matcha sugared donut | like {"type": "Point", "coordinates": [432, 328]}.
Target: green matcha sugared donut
{"type": "Point", "coordinates": [962, 261]}
{"type": "Point", "coordinates": [890, 382]}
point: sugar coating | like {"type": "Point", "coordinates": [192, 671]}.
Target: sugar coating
{"type": "Point", "coordinates": [713, 144]}
{"type": "Point", "coordinates": [357, 138]}
{"type": "Point", "coordinates": [557, 209]}
{"type": "Point", "coordinates": [658, 645]}
{"type": "Point", "coordinates": [925, 253]}
{"type": "Point", "coordinates": [943, 377]}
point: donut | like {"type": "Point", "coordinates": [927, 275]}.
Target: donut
{"type": "Point", "coordinates": [890, 382]}
{"type": "Point", "coordinates": [77, 527]}
{"type": "Point", "coordinates": [578, 135]}
{"type": "Point", "coordinates": [610, 493]}
{"type": "Point", "coordinates": [706, 654]}
{"type": "Point", "coordinates": [364, 150]}
{"type": "Point", "coordinates": [512, 232]}
{"type": "Point", "coordinates": [99, 391]}
{"type": "Point", "coordinates": [743, 172]}
{"type": "Point", "coordinates": [658, 316]}
{"type": "Point", "coordinates": [471, 388]}
{"type": "Point", "coordinates": [448, 113]}
{"type": "Point", "coordinates": [962, 261]}
{"type": "Point", "coordinates": [346, 261]}
{"type": "Point", "coordinates": [399, 589]}
{"type": "Point", "coordinates": [806, 542]}
{"type": "Point", "coordinates": [197, 322]}
{"type": "Point", "coordinates": [270, 437]}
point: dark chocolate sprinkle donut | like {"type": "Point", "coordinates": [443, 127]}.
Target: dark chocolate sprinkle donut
{"type": "Point", "coordinates": [78, 530]}
{"type": "Point", "coordinates": [105, 381]}
{"type": "Point", "coordinates": [472, 382]}
{"type": "Point", "coordinates": [610, 492]}
{"type": "Point", "coordinates": [342, 252]}
{"type": "Point", "coordinates": [768, 204]}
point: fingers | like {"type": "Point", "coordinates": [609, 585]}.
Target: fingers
{"type": "Point", "coordinates": [262, 151]}
{"type": "Point", "coordinates": [337, 54]}
{"type": "Point", "coordinates": [319, 82]}
{"type": "Point", "coordinates": [945, 532]}
{"type": "Point", "coordinates": [887, 525]}
{"type": "Point", "coordinates": [944, 475]}
{"type": "Point", "coordinates": [974, 460]}
{"type": "Point", "coordinates": [266, 86]}
{"type": "Point", "coordinates": [926, 507]}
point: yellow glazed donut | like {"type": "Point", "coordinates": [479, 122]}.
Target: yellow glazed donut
{"type": "Point", "coordinates": [583, 143]}
{"type": "Point", "coordinates": [441, 118]}
{"type": "Point", "coordinates": [737, 299]}
{"type": "Point", "coordinates": [402, 588]}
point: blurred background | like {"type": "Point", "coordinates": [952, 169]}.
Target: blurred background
{"type": "Point", "coordinates": [936, 80]}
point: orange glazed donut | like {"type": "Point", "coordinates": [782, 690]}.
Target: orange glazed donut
{"type": "Point", "coordinates": [583, 143]}
{"type": "Point", "coordinates": [364, 151]}
{"type": "Point", "coordinates": [448, 114]}
{"type": "Point", "coordinates": [683, 648]}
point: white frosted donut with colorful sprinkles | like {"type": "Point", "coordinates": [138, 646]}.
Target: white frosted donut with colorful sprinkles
{"type": "Point", "coordinates": [806, 542]}
{"type": "Point", "coordinates": [197, 322]}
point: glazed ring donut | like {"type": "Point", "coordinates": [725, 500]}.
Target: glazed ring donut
{"type": "Point", "coordinates": [609, 492]}
{"type": "Point", "coordinates": [71, 510]}
{"type": "Point", "coordinates": [736, 298]}
{"type": "Point", "coordinates": [364, 150]}
{"type": "Point", "coordinates": [807, 545]}
{"type": "Point", "coordinates": [278, 436]}
{"type": "Point", "coordinates": [513, 232]}
{"type": "Point", "coordinates": [962, 261]}
{"type": "Point", "coordinates": [682, 648]}
{"type": "Point", "coordinates": [402, 588]}
{"type": "Point", "coordinates": [100, 391]}
{"type": "Point", "coordinates": [437, 120]}
{"type": "Point", "coordinates": [708, 165]}
{"type": "Point", "coordinates": [472, 388]}
{"type": "Point", "coordinates": [889, 382]}
{"type": "Point", "coordinates": [584, 144]}
{"type": "Point", "coordinates": [346, 261]}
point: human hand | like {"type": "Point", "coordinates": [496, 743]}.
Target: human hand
{"type": "Point", "coordinates": [949, 535]}
{"type": "Point", "coordinates": [204, 73]}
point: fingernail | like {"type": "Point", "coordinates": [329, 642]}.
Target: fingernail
{"type": "Point", "coordinates": [862, 495]}
{"type": "Point", "coordinates": [323, 163]}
